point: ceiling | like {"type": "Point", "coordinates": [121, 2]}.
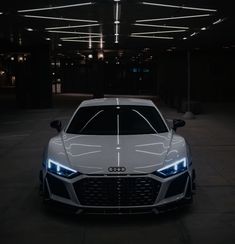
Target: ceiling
{"type": "Point", "coordinates": [139, 24]}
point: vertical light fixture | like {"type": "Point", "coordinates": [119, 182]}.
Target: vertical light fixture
{"type": "Point", "coordinates": [90, 42]}
{"type": "Point", "coordinates": [101, 42]}
{"type": "Point", "coordinates": [117, 10]}
{"type": "Point", "coordinates": [188, 114]}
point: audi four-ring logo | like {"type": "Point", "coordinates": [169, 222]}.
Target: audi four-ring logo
{"type": "Point", "coordinates": [116, 169]}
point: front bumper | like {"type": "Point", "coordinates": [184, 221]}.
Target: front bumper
{"type": "Point", "coordinates": [118, 192]}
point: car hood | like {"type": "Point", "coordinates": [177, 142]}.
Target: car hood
{"type": "Point", "coordinates": [95, 154]}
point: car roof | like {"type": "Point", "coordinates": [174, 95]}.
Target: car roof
{"type": "Point", "coordinates": [116, 101]}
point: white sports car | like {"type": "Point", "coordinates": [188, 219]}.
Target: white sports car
{"type": "Point", "coordinates": [117, 155]}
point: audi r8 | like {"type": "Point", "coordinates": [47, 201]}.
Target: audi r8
{"type": "Point", "coordinates": [117, 155]}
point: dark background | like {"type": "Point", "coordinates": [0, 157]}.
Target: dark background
{"type": "Point", "coordinates": [134, 66]}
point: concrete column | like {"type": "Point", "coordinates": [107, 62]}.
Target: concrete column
{"type": "Point", "coordinates": [33, 79]}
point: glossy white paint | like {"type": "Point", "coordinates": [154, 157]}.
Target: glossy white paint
{"type": "Point", "coordinates": [139, 154]}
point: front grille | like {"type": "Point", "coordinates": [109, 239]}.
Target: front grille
{"type": "Point", "coordinates": [117, 191]}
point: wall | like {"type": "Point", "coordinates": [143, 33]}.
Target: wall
{"type": "Point", "coordinates": [212, 76]}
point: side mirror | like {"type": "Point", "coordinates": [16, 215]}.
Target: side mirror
{"type": "Point", "coordinates": [56, 124]}
{"type": "Point", "coordinates": [169, 123]}
{"type": "Point", "coordinates": [178, 123]}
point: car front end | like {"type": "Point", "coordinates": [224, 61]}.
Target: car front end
{"type": "Point", "coordinates": [120, 173]}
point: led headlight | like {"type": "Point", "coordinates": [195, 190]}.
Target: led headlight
{"type": "Point", "coordinates": [59, 169]}
{"type": "Point", "coordinates": [172, 169]}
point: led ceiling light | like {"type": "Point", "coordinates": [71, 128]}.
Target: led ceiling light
{"type": "Point", "coordinates": [116, 30]}
{"type": "Point", "coordinates": [29, 29]}
{"type": "Point", "coordinates": [203, 28]}
{"type": "Point", "coordinates": [173, 18]}
{"type": "Point", "coordinates": [116, 20]}
{"type": "Point", "coordinates": [163, 26]}
{"type": "Point", "coordinates": [117, 12]}
{"type": "Point", "coordinates": [74, 32]}
{"type": "Point", "coordinates": [157, 32]}
{"type": "Point", "coordinates": [70, 26]}
{"type": "Point", "coordinates": [153, 37]}
{"type": "Point", "coordinates": [218, 21]}
{"type": "Point", "coordinates": [194, 33]}
{"type": "Point", "coordinates": [180, 7]}
{"type": "Point", "coordinates": [100, 55]}
{"type": "Point", "coordinates": [78, 37]}
{"type": "Point", "coordinates": [90, 42]}
{"type": "Point", "coordinates": [85, 41]}
{"type": "Point", "coordinates": [56, 7]}
{"type": "Point", "coordinates": [101, 42]}
{"type": "Point", "coordinates": [59, 18]}
{"type": "Point", "coordinates": [116, 34]}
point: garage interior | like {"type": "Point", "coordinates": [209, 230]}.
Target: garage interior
{"type": "Point", "coordinates": [56, 53]}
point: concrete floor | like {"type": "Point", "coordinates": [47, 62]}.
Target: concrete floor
{"type": "Point", "coordinates": [23, 218]}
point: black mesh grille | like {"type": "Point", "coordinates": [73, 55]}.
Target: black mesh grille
{"type": "Point", "coordinates": [117, 191]}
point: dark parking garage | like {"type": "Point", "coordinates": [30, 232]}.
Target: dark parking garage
{"type": "Point", "coordinates": [55, 54]}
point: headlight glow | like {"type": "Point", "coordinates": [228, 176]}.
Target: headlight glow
{"type": "Point", "coordinates": [59, 169]}
{"type": "Point", "coordinates": [172, 169]}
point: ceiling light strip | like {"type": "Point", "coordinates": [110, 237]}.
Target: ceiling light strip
{"type": "Point", "coordinates": [56, 7]}
{"type": "Point", "coordinates": [71, 26]}
{"type": "Point", "coordinates": [153, 37]}
{"type": "Point", "coordinates": [117, 12]}
{"type": "Point", "coordinates": [218, 21]}
{"type": "Point", "coordinates": [173, 18]}
{"type": "Point", "coordinates": [89, 41]}
{"type": "Point", "coordinates": [194, 33]}
{"type": "Point", "coordinates": [59, 18]}
{"type": "Point", "coordinates": [157, 32]}
{"type": "Point", "coordinates": [116, 34]}
{"type": "Point", "coordinates": [84, 41]}
{"type": "Point", "coordinates": [78, 37]}
{"type": "Point", "coordinates": [101, 42]}
{"type": "Point", "coordinates": [116, 30]}
{"type": "Point", "coordinates": [116, 39]}
{"type": "Point", "coordinates": [180, 7]}
{"type": "Point", "coordinates": [74, 32]}
{"type": "Point", "coordinates": [163, 26]}
{"type": "Point", "coordinates": [117, 22]}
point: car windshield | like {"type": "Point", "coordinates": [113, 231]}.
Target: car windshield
{"type": "Point", "coordinates": [113, 120]}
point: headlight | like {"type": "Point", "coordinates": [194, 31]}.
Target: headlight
{"type": "Point", "coordinates": [59, 169]}
{"type": "Point", "coordinates": [172, 169]}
